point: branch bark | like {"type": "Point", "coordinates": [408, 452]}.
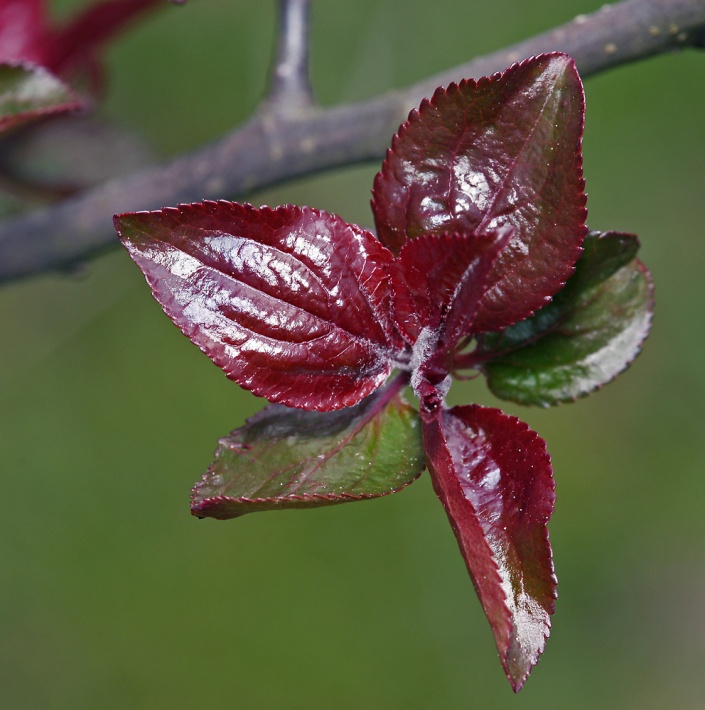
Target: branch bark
{"type": "Point", "coordinates": [290, 88]}
{"type": "Point", "coordinates": [276, 145]}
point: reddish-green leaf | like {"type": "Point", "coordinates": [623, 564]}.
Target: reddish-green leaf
{"type": "Point", "coordinates": [494, 478]}
{"type": "Point", "coordinates": [29, 92]}
{"type": "Point", "coordinates": [294, 304]}
{"type": "Point", "coordinates": [502, 151]}
{"type": "Point", "coordinates": [287, 458]}
{"type": "Point", "coordinates": [590, 333]}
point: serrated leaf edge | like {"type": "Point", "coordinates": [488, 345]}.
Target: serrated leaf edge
{"type": "Point", "coordinates": [324, 498]}
{"type": "Point", "coordinates": [546, 512]}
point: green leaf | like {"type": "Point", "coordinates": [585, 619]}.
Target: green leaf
{"type": "Point", "coordinates": [28, 92]}
{"type": "Point", "coordinates": [290, 458]}
{"type": "Point", "coordinates": [590, 333]}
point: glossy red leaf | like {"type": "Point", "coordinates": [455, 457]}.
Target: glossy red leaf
{"type": "Point", "coordinates": [439, 281]}
{"type": "Point", "coordinates": [286, 458]}
{"type": "Point", "coordinates": [494, 477]}
{"type": "Point", "coordinates": [293, 303]}
{"type": "Point", "coordinates": [500, 151]}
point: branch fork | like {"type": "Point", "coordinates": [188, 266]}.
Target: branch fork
{"type": "Point", "coordinates": [289, 136]}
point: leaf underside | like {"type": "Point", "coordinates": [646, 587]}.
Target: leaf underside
{"type": "Point", "coordinates": [590, 333]}
{"type": "Point", "coordinates": [288, 458]}
{"type": "Point", "coordinates": [504, 151]}
{"type": "Point", "coordinates": [494, 478]}
{"type": "Point", "coordinates": [293, 303]}
{"type": "Point", "coordinates": [29, 92]}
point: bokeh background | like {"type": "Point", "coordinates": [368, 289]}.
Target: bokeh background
{"type": "Point", "coordinates": [113, 596]}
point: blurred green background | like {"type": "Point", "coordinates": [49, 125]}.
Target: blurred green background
{"type": "Point", "coordinates": [113, 596]}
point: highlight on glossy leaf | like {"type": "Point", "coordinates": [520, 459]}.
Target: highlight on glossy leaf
{"type": "Point", "coordinates": [591, 332]}
{"type": "Point", "coordinates": [292, 303]}
{"type": "Point", "coordinates": [288, 458]}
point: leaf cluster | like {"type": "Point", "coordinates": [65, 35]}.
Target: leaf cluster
{"type": "Point", "coordinates": [481, 262]}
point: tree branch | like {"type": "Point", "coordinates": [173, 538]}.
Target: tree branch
{"type": "Point", "coordinates": [290, 88]}
{"type": "Point", "coordinates": [275, 146]}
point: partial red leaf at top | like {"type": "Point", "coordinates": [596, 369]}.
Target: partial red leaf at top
{"type": "Point", "coordinates": [28, 35]}
{"type": "Point", "coordinates": [480, 155]}
{"type": "Point", "coordinates": [76, 44]}
{"type": "Point", "coordinates": [293, 303]}
{"type": "Point", "coordinates": [439, 280]}
{"type": "Point", "coordinates": [23, 31]}
{"type": "Point", "coordinates": [494, 478]}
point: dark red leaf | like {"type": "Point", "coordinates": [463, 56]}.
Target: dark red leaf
{"type": "Point", "coordinates": [494, 478]}
{"type": "Point", "coordinates": [439, 281]}
{"type": "Point", "coordinates": [294, 304]}
{"type": "Point", "coordinates": [502, 151]}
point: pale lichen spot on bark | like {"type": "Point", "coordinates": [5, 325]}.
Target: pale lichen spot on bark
{"type": "Point", "coordinates": [216, 184]}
